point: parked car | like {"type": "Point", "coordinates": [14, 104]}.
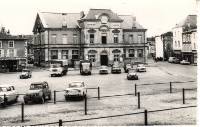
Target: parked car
{"type": "Point", "coordinates": [75, 89]}
{"type": "Point", "coordinates": [173, 60]}
{"type": "Point", "coordinates": [26, 73]}
{"type": "Point", "coordinates": [141, 68]}
{"type": "Point", "coordinates": [103, 70]}
{"type": "Point", "coordinates": [115, 68]}
{"type": "Point", "coordinates": [185, 62]}
{"type": "Point", "coordinates": [127, 67]}
{"type": "Point", "coordinates": [85, 67]}
{"type": "Point", "coordinates": [39, 92]}
{"type": "Point", "coordinates": [132, 75]}
{"type": "Point", "coordinates": [58, 68]}
{"type": "Point", "coordinates": [10, 94]}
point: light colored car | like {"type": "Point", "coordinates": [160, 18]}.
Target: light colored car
{"type": "Point", "coordinates": [75, 89]}
{"type": "Point", "coordinates": [132, 75]}
{"type": "Point", "coordinates": [38, 92]}
{"type": "Point", "coordinates": [26, 73]}
{"type": "Point", "coordinates": [185, 62]}
{"type": "Point", "coordinates": [173, 60]}
{"type": "Point", "coordinates": [127, 67]}
{"type": "Point", "coordinates": [141, 68]}
{"type": "Point", "coordinates": [10, 94]}
{"type": "Point", "coordinates": [103, 70]}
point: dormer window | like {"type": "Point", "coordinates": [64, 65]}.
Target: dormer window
{"type": "Point", "coordinates": [104, 19]}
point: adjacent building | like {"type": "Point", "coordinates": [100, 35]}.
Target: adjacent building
{"type": "Point", "coordinates": [13, 53]}
{"type": "Point", "coordinates": [184, 39]}
{"type": "Point", "coordinates": [159, 47]}
{"type": "Point", "coordinates": [167, 39]}
{"type": "Point", "coordinates": [152, 46]}
{"type": "Point", "coordinates": [101, 36]}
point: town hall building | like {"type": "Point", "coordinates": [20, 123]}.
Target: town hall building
{"type": "Point", "coordinates": [100, 36]}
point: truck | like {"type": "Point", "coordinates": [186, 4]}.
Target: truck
{"type": "Point", "coordinates": [85, 67]}
{"type": "Point", "coordinates": [58, 68]}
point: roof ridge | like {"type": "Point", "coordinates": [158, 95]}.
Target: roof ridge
{"type": "Point", "coordinates": [61, 12]}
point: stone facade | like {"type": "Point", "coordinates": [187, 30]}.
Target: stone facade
{"type": "Point", "coordinates": [101, 36]}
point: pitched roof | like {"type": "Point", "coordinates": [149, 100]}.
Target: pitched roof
{"type": "Point", "coordinates": [56, 20]}
{"type": "Point", "coordinates": [189, 20]}
{"type": "Point", "coordinates": [93, 14]}
{"type": "Point", "coordinates": [130, 22]}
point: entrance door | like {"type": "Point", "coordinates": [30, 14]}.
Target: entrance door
{"type": "Point", "coordinates": [104, 60]}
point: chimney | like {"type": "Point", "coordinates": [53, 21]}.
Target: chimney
{"type": "Point", "coordinates": [82, 14]}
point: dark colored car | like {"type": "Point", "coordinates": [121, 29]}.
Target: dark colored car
{"type": "Point", "coordinates": [39, 92]}
{"type": "Point", "coordinates": [132, 75]}
{"type": "Point", "coordinates": [26, 73]}
{"type": "Point", "coordinates": [116, 68]}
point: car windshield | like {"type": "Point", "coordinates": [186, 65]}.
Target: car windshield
{"type": "Point", "coordinates": [36, 86]}
{"type": "Point", "coordinates": [25, 70]}
{"type": "Point", "coordinates": [3, 89]}
{"type": "Point", "coordinates": [140, 65]}
{"type": "Point", "coordinates": [131, 70]}
{"type": "Point", "coordinates": [103, 67]}
{"type": "Point", "coordinates": [55, 65]}
{"type": "Point", "coordinates": [75, 85]}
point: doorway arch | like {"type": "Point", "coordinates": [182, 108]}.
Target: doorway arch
{"type": "Point", "coordinates": [104, 58]}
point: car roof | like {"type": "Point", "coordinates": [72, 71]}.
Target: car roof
{"type": "Point", "coordinates": [37, 82]}
{"type": "Point", "coordinates": [6, 85]}
{"type": "Point", "coordinates": [77, 82]}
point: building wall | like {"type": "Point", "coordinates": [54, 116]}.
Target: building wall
{"type": "Point", "coordinates": [159, 46]}
{"type": "Point", "coordinates": [19, 48]}
{"type": "Point", "coordinates": [177, 38]}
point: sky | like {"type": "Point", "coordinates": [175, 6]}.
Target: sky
{"type": "Point", "coordinates": [157, 16]}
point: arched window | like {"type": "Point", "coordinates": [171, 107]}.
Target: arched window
{"type": "Point", "coordinates": [92, 55]}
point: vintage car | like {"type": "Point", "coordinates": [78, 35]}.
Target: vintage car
{"type": "Point", "coordinates": [75, 90]}
{"type": "Point", "coordinates": [132, 75]}
{"type": "Point", "coordinates": [85, 67]}
{"type": "Point", "coordinates": [7, 94]}
{"type": "Point", "coordinates": [103, 70]}
{"type": "Point", "coordinates": [39, 92]}
{"type": "Point", "coordinates": [58, 68]}
{"type": "Point", "coordinates": [173, 60]}
{"type": "Point", "coordinates": [127, 67]}
{"type": "Point", "coordinates": [115, 68]}
{"type": "Point", "coordinates": [26, 73]}
{"type": "Point", "coordinates": [141, 68]}
{"type": "Point", "coordinates": [185, 62]}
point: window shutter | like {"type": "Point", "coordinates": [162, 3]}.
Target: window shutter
{"type": "Point", "coordinates": [7, 53]}
{"type": "Point", "coordinates": [15, 52]}
{"type": "Point", "coordinates": [2, 53]}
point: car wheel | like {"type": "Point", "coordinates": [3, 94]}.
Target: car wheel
{"type": "Point", "coordinates": [49, 97]}
{"type": "Point", "coordinates": [42, 100]}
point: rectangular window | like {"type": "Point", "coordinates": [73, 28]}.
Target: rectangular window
{"type": "Point", "coordinates": [53, 38]}
{"type": "Point", "coordinates": [131, 53]}
{"type": "Point", "coordinates": [130, 38]}
{"type": "Point", "coordinates": [1, 44]}
{"type": "Point", "coordinates": [91, 38]}
{"type": "Point", "coordinates": [75, 54]}
{"type": "Point", "coordinates": [75, 39]}
{"type": "Point", "coordinates": [140, 52]}
{"type": "Point", "coordinates": [54, 54]}
{"type": "Point", "coordinates": [116, 40]}
{"type": "Point", "coordinates": [10, 44]}
{"type": "Point", "coordinates": [64, 38]}
{"type": "Point", "coordinates": [91, 57]}
{"type": "Point", "coordinates": [104, 39]}
{"type": "Point", "coordinates": [116, 57]}
{"type": "Point", "coordinates": [64, 54]}
{"type": "Point", "coordinates": [11, 52]}
{"type": "Point", "coordinates": [139, 38]}
{"type": "Point", "coordinates": [0, 53]}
